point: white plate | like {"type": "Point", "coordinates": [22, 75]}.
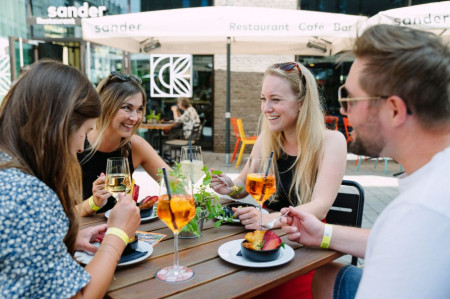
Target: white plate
{"type": "Point", "coordinates": [152, 216]}
{"type": "Point", "coordinates": [86, 257]}
{"type": "Point", "coordinates": [229, 250]}
{"type": "Point", "coordinates": [237, 220]}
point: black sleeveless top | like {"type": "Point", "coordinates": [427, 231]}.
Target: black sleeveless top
{"type": "Point", "coordinates": [92, 168]}
{"type": "Point", "coordinates": [284, 180]}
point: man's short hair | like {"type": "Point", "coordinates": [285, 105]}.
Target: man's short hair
{"type": "Point", "coordinates": [409, 63]}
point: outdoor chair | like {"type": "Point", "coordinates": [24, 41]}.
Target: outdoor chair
{"type": "Point", "coordinates": [245, 141]}
{"type": "Point", "coordinates": [331, 122]}
{"type": "Point", "coordinates": [347, 127]}
{"type": "Point", "coordinates": [347, 208]}
{"type": "Point", "coordinates": [172, 154]}
{"type": "Point", "coordinates": [238, 137]}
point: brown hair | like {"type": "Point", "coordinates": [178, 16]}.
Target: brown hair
{"type": "Point", "coordinates": [114, 90]}
{"type": "Point", "coordinates": [409, 63]}
{"type": "Point", "coordinates": [38, 115]}
{"type": "Point", "coordinates": [184, 102]}
{"type": "Point", "coordinates": [309, 129]}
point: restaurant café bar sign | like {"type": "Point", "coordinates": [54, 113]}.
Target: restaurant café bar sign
{"type": "Point", "coordinates": [68, 15]}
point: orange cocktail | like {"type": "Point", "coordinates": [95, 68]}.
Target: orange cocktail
{"type": "Point", "coordinates": [260, 187]}
{"type": "Point", "coordinates": [177, 212]}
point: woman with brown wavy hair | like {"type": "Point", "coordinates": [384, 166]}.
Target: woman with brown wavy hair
{"type": "Point", "coordinates": [44, 119]}
{"type": "Point", "coordinates": [123, 108]}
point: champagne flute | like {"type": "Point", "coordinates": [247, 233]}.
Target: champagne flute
{"type": "Point", "coordinates": [260, 182]}
{"type": "Point", "coordinates": [118, 178]}
{"type": "Point", "coordinates": [176, 208]}
{"type": "Point", "coordinates": [191, 162]}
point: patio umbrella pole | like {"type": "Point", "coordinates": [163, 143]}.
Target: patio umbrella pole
{"type": "Point", "coordinates": [227, 108]}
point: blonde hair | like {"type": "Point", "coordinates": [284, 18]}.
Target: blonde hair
{"type": "Point", "coordinates": [39, 114]}
{"type": "Point", "coordinates": [309, 131]}
{"type": "Point", "coordinates": [113, 92]}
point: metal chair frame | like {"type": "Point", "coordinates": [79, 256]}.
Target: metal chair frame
{"type": "Point", "coordinates": [347, 208]}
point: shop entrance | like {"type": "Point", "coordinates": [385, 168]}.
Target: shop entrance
{"type": "Point", "coordinates": [24, 52]}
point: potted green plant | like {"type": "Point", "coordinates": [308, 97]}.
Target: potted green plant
{"type": "Point", "coordinates": [207, 204]}
{"type": "Point", "coordinates": [153, 117]}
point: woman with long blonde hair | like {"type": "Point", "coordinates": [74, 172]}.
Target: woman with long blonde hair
{"type": "Point", "coordinates": [44, 120]}
{"type": "Point", "coordinates": [309, 160]}
{"type": "Point", "coordinates": [123, 108]}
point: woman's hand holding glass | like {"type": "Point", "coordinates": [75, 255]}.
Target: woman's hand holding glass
{"type": "Point", "coordinates": [99, 192]}
{"type": "Point", "coordinates": [118, 177]}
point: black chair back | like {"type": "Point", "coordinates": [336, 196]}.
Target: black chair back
{"type": "Point", "coordinates": [347, 208]}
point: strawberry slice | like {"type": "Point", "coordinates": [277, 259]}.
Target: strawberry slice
{"type": "Point", "coordinates": [271, 241]}
{"type": "Point", "coordinates": [135, 194]}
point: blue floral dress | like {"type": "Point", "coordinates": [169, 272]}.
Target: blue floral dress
{"type": "Point", "coordinates": [34, 261]}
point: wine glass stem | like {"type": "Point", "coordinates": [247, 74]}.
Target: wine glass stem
{"type": "Point", "coordinates": [260, 216]}
{"type": "Point", "coordinates": [175, 263]}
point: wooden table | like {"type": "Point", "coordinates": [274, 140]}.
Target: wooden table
{"type": "Point", "coordinates": [160, 127]}
{"type": "Point", "coordinates": [213, 276]}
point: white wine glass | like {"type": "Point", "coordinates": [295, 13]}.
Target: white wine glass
{"type": "Point", "coordinates": [191, 162]}
{"type": "Point", "coordinates": [260, 182]}
{"type": "Point", "coordinates": [176, 208]}
{"type": "Point", "coordinates": [118, 178]}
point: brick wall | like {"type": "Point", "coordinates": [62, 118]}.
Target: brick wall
{"type": "Point", "coordinates": [246, 77]}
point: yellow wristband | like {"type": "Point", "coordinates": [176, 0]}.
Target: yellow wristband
{"type": "Point", "coordinates": [118, 233]}
{"type": "Point", "coordinates": [326, 239]}
{"type": "Point", "coordinates": [92, 204]}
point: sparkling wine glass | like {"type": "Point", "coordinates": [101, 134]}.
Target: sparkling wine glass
{"type": "Point", "coordinates": [176, 208]}
{"type": "Point", "coordinates": [118, 178]}
{"type": "Point", "coordinates": [191, 162]}
{"type": "Point", "coordinates": [260, 182]}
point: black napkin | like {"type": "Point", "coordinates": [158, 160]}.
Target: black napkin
{"type": "Point", "coordinates": [132, 256]}
{"type": "Point", "coordinates": [146, 213]}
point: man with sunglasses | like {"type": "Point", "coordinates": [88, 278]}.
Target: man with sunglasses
{"type": "Point", "coordinates": [397, 97]}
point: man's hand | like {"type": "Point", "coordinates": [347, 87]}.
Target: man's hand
{"type": "Point", "coordinates": [302, 227]}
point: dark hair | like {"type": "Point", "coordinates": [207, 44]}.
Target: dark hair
{"type": "Point", "coordinates": [41, 111]}
{"type": "Point", "coordinates": [409, 63]}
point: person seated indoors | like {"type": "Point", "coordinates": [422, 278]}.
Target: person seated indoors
{"type": "Point", "coordinates": [44, 119]}
{"type": "Point", "coordinates": [397, 97]}
{"type": "Point", "coordinates": [309, 159]}
{"type": "Point", "coordinates": [189, 118]}
{"type": "Point", "coordinates": [123, 101]}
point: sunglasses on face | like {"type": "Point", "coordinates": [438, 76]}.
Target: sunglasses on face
{"type": "Point", "coordinates": [126, 77]}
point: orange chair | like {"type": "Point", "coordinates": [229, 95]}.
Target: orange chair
{"type": "Point", "coordinates": [331, 122]}
{"type": "Point", "coordinates": [237, 136]}
{"type": "Point", "coordinates": [347, 125]}
{"type": "Point", "coordinates": [245, 140]}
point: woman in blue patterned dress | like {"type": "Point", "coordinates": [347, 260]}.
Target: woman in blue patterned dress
{"type": "Point", "coordinates": [44, 120]}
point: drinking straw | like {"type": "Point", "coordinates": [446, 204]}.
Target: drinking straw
{"type": "Point", "coordinates": [265, 176]}
{"type": "Point", "coordinates": [172, 215]}
{"type": "Point", "coordinates": [166, 180]}
{"type": "Point", "coordinates": [268, 165]}
{"type": "Point", "coordinates": [190, 150]}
